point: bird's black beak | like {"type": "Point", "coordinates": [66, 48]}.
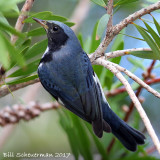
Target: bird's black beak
{"type": "Point", "coordinates": [43, 23]}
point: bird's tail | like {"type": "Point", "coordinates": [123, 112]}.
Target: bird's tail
{"type": "Point", "coordinates": [127, 135]}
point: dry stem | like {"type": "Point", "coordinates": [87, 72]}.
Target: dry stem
{"type": "Point", "coordinates": [20, 24]}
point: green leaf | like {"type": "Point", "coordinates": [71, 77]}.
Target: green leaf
{"type": "Point", "coordinates": [80, 38]}
{"type": "Point", "coordinates": [36, 32]}
{"type": "Point", "coordinates": [153, 34]}
{"type": "Point", "coordinates": [36, 49]}
{"type": "Point", "coordinates": [24, 45]}
{"type": "Point", "coordinates": [3, 19]}
{"type": "Point", "coordinates": [9, 5]}
{"type": "Point", "coordinates": [137, 63]}
{"type": "Point", "coordinates": [66, 124]}
{"type": "Point", "coordinates": [102, 25]}
{"type": "Point", "coordinates": [157, 25]}
{"type": "Point", "coordinates": [99, 2]}
{"type": "Point", "coordinates": [69, 24]}
{"type": "Point", "coordinates": [13, 52]}
{"type": "Point", "coordinates": [84, 142]}
{"type": "Point", "coordinates": [21, 80]}
{"type": "Point", "coordinates": [94, 42]}
{"type": "Point", "coordinates": [4, 53]}
{"type": "Point", "coordinates": [87, 45]}
{"type": "Point", "coordinates": [149, 40]}
{"type": "Point", "coordinates": [46, 15]}
{"type": "Point", "coordinates": [29, 69]}
{"type": "Point", "coordinates": [6, 27]}
{"type": "Point", "coordinates": [144, 54]}
{"type": "Point", "coordinates": [132, 36]}
{"type": "Point", "coordinates": [121, 2]}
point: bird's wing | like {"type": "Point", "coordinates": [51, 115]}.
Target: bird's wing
{"type": "Point", "coordinates": [91, 98]}
{"type": "Point", "coordinates": [71, 103]}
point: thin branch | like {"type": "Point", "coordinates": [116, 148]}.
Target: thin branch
{"type": "Point", "coordinates": [12, 115]}
{"type": "Point", "coordinates": [7, 89]}
{"type": "Point", "coordinates": [20, 24]}
{"type": "Point", "coordinates": [110, 13]}
{"type": "Point", "coordinates": [149, 70]}
{"type": "Point", "coordinates": [119, 53]}
{"type": "Point", "coordinates": [117, 28]}
{"type": "Point", "coordinates": [101, 49]}
{"type": "Point", "coordinates": [135, 16]}
{"type": "Point", "coordinates": [121, 90]}
{"type": "Point", "coordinates": [136, 102]}
{"type": "Point", "coordinates": [151, 150]}
{"type": "Point", "coordinates": [136, 79]}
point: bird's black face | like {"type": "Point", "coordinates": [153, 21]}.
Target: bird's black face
{"type": "Point", "coordinates": [56, 35]}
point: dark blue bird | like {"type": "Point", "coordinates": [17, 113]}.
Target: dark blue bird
{"type": "Point", "coordinates": [66, 73]}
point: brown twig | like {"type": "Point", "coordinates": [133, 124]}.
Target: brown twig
{"type": "Point", "coordinates": [12, 115]}
{"type": "Point", "coordinates": [20, 21]}
{"type": "Point", "coordinates": [7, 89]}
{"type": "Point", "coordinates": [151, 149]}
{"type": "Point", "coordinates": [2, 74]}
{"type": "Point", "coordinates": [122, 90]}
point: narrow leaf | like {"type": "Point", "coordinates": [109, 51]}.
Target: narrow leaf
{"type": "Point", "coordinates": [149, 41]}
{"type": "Point", "coordinates": [46, 15]}
{"type": "Point", "coordinates": [83, 137]}
{"type": "Point", "coordinates": [153, 34]}
{"type": "Point", "coordinates": [13, 52]}
{"type": "Point", "coordinates": [36, 32]}
{"type": "Point", "coordinates": [157, 25]}
{"type": "Point", "coordinates": [21, 80]}
{"type": "Point", "coordinates": [69, 24]}
{"type": "Point", "coordinates": [36, 49]}
{"type": "Point", "coordinates": [121, 2]}
{"type": "Point", "coordinates": [71, 133]}
{"type": "Point", "coordinates": [6, 27]}
{"type": "Point", "coordinates": [29, 69]}
{"type": "Point", "coordinates": [94, 41]}
{"type": "Point", "coordinates": [99, 2]}
{"type": "Point", "coordinates": [132, 36]}
{"type": "Point", "coordinates": [144, 54]}
{"type": "Point", "coordinates": [102, 25]}
{"type": "Point", "coordinates": [4, 60]}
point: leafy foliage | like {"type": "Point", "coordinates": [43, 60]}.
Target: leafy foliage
{"type": "Point", "coordinates": [152, 40]}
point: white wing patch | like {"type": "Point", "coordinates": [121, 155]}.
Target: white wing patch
{"type": "Point", "coordinates": [60, 102]}
{"type": "Point", "coordinates": [97, 81]}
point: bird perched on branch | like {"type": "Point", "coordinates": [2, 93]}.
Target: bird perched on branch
{"type": "Point", "coordinates": [66, 73]}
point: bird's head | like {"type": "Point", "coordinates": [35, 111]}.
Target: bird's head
{"type": "Point", "coordinates": [57, 32]}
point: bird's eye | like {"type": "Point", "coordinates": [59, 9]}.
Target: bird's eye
{"type": "Point", "coordinates": [55, 28]}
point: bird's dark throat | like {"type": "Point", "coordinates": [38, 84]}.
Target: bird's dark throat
{"type": "Point", "coordinates": [46, 58]}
